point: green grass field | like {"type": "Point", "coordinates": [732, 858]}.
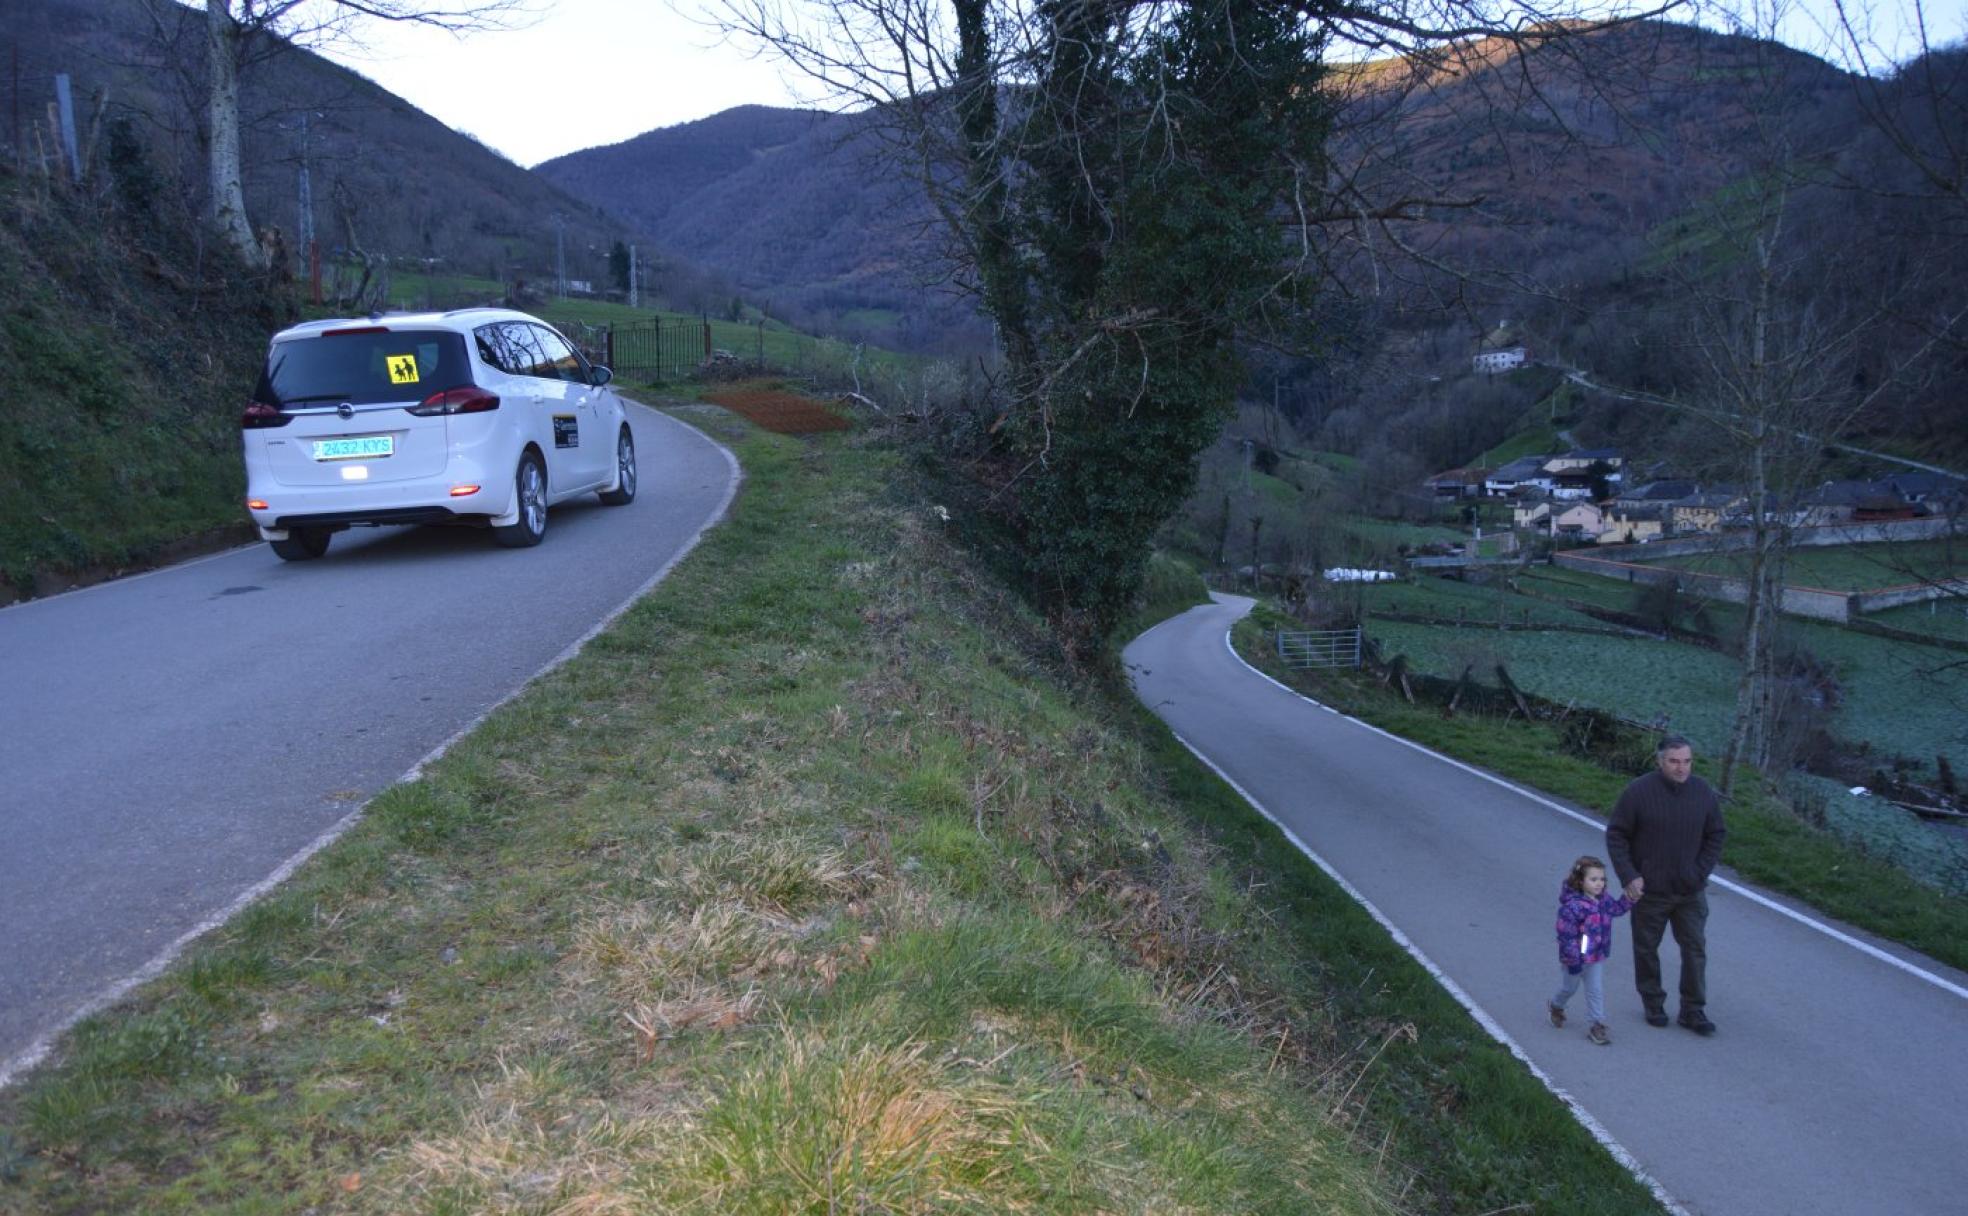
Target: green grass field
{"type": "Point", "coordinates": [1683, 688]}
{"type": "Point", "coordinates": [1946, 618]}
{"type": "Point", "coordinates": [1896, 698]}
{"type": "Point", "coordinates": [1847, 567]}
{"type": "Point", "coordinates": [1536, 441]}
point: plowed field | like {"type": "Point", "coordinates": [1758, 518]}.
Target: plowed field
{"type": "Point", "coordinates": [777, 410]}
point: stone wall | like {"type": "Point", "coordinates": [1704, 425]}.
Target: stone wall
{"type": "Point", "coordinates": [1614, 561]}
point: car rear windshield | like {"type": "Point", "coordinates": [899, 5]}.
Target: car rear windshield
{"type": "Point", "coordinates": [363, 367]}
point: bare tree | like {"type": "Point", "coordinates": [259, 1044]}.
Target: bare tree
{"type": "Point", "coordinates": [241, 32]}
{"type": "Point", "coordinates": [1919, 105]}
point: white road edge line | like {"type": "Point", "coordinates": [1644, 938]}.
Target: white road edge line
{"type": "Point", "coordinates": [26, 1060]}
{"type": "Point", "coordinates": [1939, 981]}
{"type": "Point", "coordinates": [1495, 1030]}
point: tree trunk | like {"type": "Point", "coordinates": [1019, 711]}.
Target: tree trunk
{"type": "Point", "coordinates": [1751, 728]}
{"type": "Point", "coordinates": [1740, 741]}
{"type": "Point", "coordinates": [222, 36]}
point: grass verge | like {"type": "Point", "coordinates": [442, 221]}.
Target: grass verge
{"type": "Point", "coordinates": [809, 885]}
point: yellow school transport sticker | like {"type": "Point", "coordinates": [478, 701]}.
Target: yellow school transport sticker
{"type": "Point", "coordinates": [403, 369]}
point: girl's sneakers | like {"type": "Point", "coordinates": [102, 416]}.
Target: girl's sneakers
{"type": "Point", "coordinates": [1557, 1013]}
{"type": "Point", "coordinates": [1597, 1034]}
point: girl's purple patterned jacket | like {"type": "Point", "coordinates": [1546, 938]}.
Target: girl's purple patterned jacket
{"type": "Point", "coordinates": [1585, 926]}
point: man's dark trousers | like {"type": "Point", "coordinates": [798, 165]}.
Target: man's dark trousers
{"type": "Point", "coordinates": [1689, 916]}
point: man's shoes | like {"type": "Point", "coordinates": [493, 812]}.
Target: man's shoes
{"type": "Point", "coordinates": [1657, 1017]}
{"type": "Point", "coordinates": [1697, 1022]}
{"type": "Point", "coordinates": [1598, 1035]}
{"type": "Point", "coordinates": [1557, 1013]}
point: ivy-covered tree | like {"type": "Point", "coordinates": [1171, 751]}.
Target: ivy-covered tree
{"type": "Point", "coordinates": [1137, 237]}
{"type": "Point", "coordinates": [1133, 190]}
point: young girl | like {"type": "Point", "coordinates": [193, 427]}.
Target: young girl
{"type": "Point", "coordinates": [1585, 940]}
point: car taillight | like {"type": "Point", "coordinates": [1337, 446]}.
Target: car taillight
{"type": "Point", "coordinates": [467, 400]}
{"type": "Point", "coordinates": [259, 414]}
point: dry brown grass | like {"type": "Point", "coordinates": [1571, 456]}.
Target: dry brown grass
{"type": "Point", "coordinates": [814, 1128]}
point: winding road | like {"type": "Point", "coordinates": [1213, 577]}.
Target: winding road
{"type": "Point", "coordinates": [1838, 1079]}
{"type": "Point", "coordinates": [176, 742]}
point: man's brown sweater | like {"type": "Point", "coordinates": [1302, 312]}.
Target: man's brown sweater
{"type": "Point", "coordinates": [1671, 835]}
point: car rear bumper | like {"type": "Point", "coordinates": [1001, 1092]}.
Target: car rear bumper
{"type": "Point", "coordinates": [425, 501]}
{"type": "Point", "coordinates": [352, 519]}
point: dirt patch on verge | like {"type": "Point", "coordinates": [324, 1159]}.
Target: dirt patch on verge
{"type": "Point", "coordinates": [777, 410]}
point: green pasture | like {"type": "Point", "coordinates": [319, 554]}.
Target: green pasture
{"type": "Point", "coordinates": [1679, 687]}
{"type": "Point", "coordinates": [1897, 698]}
{"type": "Point", "coordinates": [1393, 533]}
{"type": "Point", "coordinates": [1477, 604]}
{"type": "Point", "coordinates": [1944, 618]}
{"type": "Point", "coordinates": [1846, 567]}
{"type": "Point", "coordinates": [1536, 441]}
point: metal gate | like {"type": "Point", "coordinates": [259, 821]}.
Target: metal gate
{"type": "Point", "coordinates": [1319, 647]}
{"type": "Point", "coordinates": [655, 350]}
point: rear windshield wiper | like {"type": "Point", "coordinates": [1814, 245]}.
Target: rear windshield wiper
{"type": "Point", "coordinates": [335, 396]}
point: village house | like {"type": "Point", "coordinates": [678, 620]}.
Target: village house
{"type": "Point", "coordinates": [1457, 483]}
{"type": "Point", "coordinates": [1703, 513]}
{"type": "Point", "coordinates": [1656, 493]}
{"type": "Point", "coordinates": [1774, 512]}
{"type": "Point", "coordinates": [1584, 473]}
{"type": "Point", "coordinates": [1933, 492]}
{"type": "Point", "coordinates": [1490, 362]}
{"type": "Point", "coordinates": [1581, 460]}
{"type": "Point", "coordinates": [1529, 512]}
{"type": "Point", "coordinates": [1579, 521]}
{"type": "Point", "coordinates": [1839, 502]}
{"type": "Point", "coordinates": [1633, 524]}
{"type": "Point", "coordinates": [1499, 351]}
{"type": "Point", "coordinates": [1522, 475]}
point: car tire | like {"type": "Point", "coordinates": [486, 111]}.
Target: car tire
{"type": "Point", "coordinates": [625, 472]}
{"type": "Point", "coordinates": [302, 544]}
{"type": "Point", "coordinates": [530, 495]}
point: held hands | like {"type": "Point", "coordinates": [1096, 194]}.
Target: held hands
{"type": "Point", "coordinates": [1634, 889]}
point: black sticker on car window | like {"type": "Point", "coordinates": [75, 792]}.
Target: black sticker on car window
{"type": "Point", "coordinates": [567, 431]}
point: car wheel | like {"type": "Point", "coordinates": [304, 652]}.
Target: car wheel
{"type": "Point", "coordinates": [302, 544]}
{"type": "Point", "coordinates": [625, 472]}
{"type": "Point", "coordinates": [530, 491]}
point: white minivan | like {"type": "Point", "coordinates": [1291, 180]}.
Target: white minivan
{"type": "Point", "coordinates": [479, 416]}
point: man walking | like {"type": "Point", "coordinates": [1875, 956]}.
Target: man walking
{"type": "Point", "coordinates": [1664, 837]}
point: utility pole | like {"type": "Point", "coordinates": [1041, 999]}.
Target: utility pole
{"type": "Point", "coordinates": [304, 229]}
{"type": "Point", "coordinates": [635, 279]}
{"type": "Point", "coordinates": [560, 254]}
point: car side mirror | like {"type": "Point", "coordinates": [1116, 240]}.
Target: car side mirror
{"type": "Point", "coordinates": [601, 374]}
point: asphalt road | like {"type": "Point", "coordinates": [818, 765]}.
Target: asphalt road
{"type": "Point", "coordinates": [169, 741]}
{"type": "Point", "coordinates": [1838, 1079]}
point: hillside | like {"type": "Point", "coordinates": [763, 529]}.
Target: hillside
{"type": "Point", "coordinates": [1561, 185]}
{"type": "Point", "coordinates": [129, 356]}
{"type": "Point", "coordinates": [1556, 152]}
{"type": "Point", "coordinates": [800, 208]}
{"type": "Point", "coordinates": [385, 176]}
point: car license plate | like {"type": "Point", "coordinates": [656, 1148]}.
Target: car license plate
{"type": "Point", "coordinates": [359, 448]}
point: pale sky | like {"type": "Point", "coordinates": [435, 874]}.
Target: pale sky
{"type": "Point", "coordinates": [590, 72]}
{"type": "Point", "coordinates": [583, 73]}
